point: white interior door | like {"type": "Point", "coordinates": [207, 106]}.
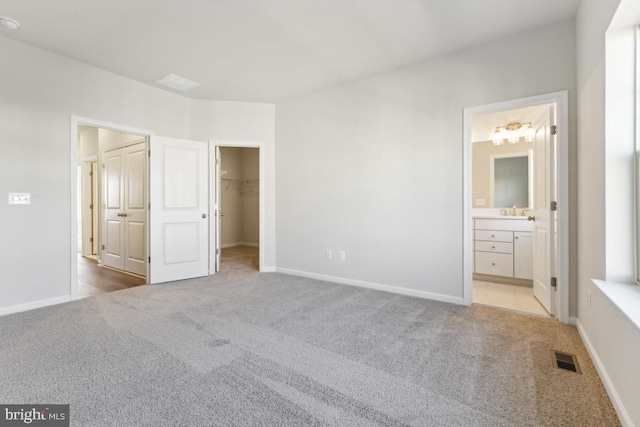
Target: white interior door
{"type": "Point", "coordinates": [113, 255]}
{"type": "Point", "coordinates": [179, 197]}
{"type": "Point", "coordinates": [218, 207]}
{"type": "Point", "coordinates": [135, 209]}
{"type": "Point", "coordinates": [544, 193]}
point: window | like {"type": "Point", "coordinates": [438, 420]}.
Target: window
{"type": "Point", "coordinates": [637, 165]}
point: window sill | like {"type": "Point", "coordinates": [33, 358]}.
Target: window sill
{"type": "Point", "coordinates": [625, 296]}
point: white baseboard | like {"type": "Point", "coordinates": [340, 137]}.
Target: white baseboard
{"type": "Point", "coordinates": [33, 305]}
{"type": "Point", "coordinates": [376, 286]}
{"type": "Point", "coordinates": [268, 270]}
{"type": "Point", "coordinates": [624, 416]}
{"type": "Point", "coordinates": [233, 245]}
{"type": "Point", "coordinates": [573, 321]}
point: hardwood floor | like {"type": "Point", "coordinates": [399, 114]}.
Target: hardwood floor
{"type": "Point", "coordinates": [96, 280]}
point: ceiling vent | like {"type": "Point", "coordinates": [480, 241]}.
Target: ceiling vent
{"type": "Point", "coordinates": [178, 83]}
{"type": "Point", "coordinates": [8, 23]}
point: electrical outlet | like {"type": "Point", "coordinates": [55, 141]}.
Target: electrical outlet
{"type": "Point", "coordinates": [342, 255]}
{"type": "Point", "coordinates": [328, 254]}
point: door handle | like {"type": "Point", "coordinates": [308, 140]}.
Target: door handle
{"type": "Point", "coordinates": [204, 215]}
{"type": "Point", "coordinates": [122, 214]}
{"type": "Point", "coordinates": [531, 218]}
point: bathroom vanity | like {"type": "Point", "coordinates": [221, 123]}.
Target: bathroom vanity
{"type": "Point", "coordinates": [503, 247]}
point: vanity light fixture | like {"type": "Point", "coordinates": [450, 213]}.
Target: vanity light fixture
{"type": "Point", "coordinates": [8, 23]}
{"type": "Point", "coordinates": [512, 132]}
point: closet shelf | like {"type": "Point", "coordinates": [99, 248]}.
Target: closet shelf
{"type": "Point", "coordinates": [244, 186]}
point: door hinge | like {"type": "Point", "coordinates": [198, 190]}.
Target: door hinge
{"type": "Point", "coordinates": [554, 282]}
{"type": "Point", "coordinates": [91, 239]}
{"type": "Point", "coordinates": [104, 166]}
{"type": "Point", "coordinates": [149, 260]}
{"type": "Point", "coordinates": [90, 173]}
{"type": "Point", "coordinates": [149, 153]}
{"type": "Point", "coordinates": [149, 206]}
{"type": "Point", "coordinates": [217, 161]}
{"type": "Point", "coordinates": [217, 251]}
{"type": "Point", "coordinates": [91, 206]}
{"type": "Point", "coordinates": [554, 206]}
{"type": "Point", "coordinates": [554, 129]}
{"type": "Point", "coordinates": [103, 247]}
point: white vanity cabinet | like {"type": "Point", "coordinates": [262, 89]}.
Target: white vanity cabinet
{"type": "Point", "coordinates": [503, 247]}
{"type": "Point", "coordinates": [523, 254]}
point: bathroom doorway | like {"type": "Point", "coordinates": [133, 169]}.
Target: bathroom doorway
{"type": "Point", "coordinates": [516, 238]}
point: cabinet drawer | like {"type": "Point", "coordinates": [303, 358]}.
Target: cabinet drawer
{"type": "Point", "coordinates": [503, 224]}
{"type": "Point", "coordinates": [502, 247]}
{"type": "Point", "coordinates": [494, 263]}
{"type": "Point", "coordinates": [494, 236]}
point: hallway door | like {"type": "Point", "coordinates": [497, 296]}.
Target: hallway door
{"type": "Point", "coordinates": [125, 209]}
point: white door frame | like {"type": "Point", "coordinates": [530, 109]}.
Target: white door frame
{"type": "Point", "coordinates": [213, 143]}
{"type": "Point", "coordinates": [86, 211]}
{"type": "Point", "coordinates": [561, 99]}
{"type": "Point", "coordinates": [73, 149]}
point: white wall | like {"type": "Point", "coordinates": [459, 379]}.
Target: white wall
{"type": "Point", "coordinates": [374, 167]}
{"type": "Point", "coordinates": [250, 196]}
{"type": "Point", "coordinates": [241, 122]}
{"type": "Point", "coordinates": [87, 144]}
{"type": "Point", "coordinates": [613, 338]}
{"type": "Point", "coordinates": [39, 91]}
{"type": "Point", "coordinates": [231, 200]}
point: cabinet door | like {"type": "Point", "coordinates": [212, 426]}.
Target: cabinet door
{"type": "Point", "coordinates": [494, 263]}
{"type": "Point", "coordinates": [523, 255]}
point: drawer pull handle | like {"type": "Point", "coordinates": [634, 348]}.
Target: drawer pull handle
{"type": "Point", "coordinates": [493, 247]}
{"type": "Point", "coordinates": [493, 235]}
{"type": "Point", "coordinates": [493, 263]}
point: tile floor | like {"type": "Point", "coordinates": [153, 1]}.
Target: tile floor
{"type": "Point", "coordinates": [508, 297]}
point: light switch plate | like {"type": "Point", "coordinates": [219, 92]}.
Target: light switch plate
{"type": "Point", "coordinates": [480, 202]}
{"type": "Point", "coordinates": [19, 198]}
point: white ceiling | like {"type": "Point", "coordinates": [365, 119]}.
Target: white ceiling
{"type": "Point", "coordinates": [268, 50]}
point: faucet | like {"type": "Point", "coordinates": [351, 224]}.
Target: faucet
{"type": "Point", "coordinates": [514, 211]}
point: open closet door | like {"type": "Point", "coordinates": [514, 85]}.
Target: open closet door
{"type": "Point", "coordinates": [179, 200]}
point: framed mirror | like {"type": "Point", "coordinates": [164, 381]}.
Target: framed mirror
{"type": "Point", "coordinates": [515, 175]}
{"type": "Point", "coordinates": [511, 180]}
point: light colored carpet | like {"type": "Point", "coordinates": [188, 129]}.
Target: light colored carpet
{"type": "Point", "coordinates": [244, 348]}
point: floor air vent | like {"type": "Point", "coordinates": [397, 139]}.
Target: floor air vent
{"type": "Point", "coordinates": [565, 361]}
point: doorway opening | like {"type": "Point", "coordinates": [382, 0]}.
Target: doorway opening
{"type": "Point", "coordinates": [238, 208]}
{"type": "Point", "coordinates": [516, 242]}
{"type": "Point", "coordinates": [112, 212]}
